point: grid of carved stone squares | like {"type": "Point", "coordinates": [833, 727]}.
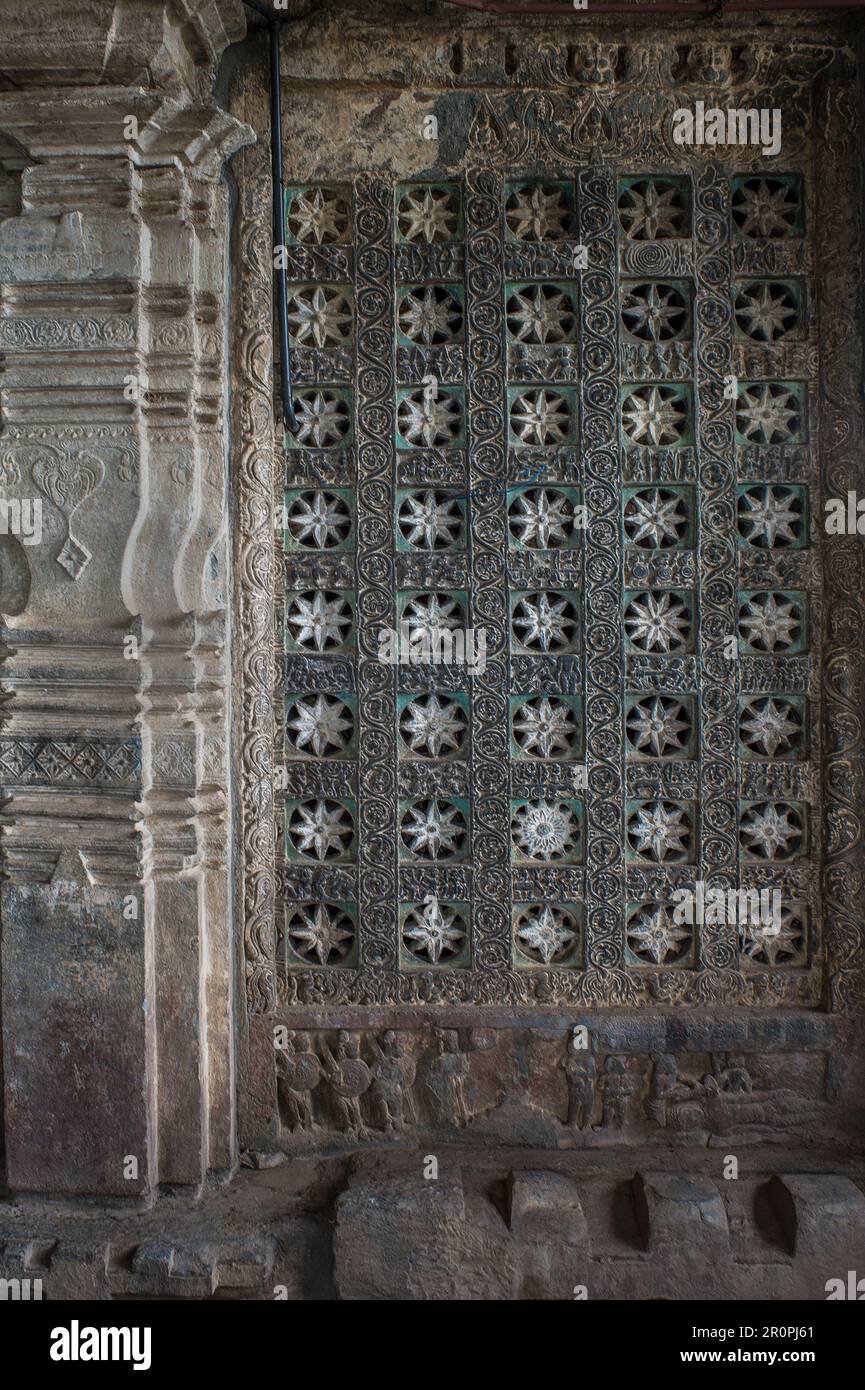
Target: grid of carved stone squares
{"type": "Point", "coordinates": [427, 545]}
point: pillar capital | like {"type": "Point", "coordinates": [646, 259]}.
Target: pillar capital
{"type": "Point", "coordinates": [161, 45]}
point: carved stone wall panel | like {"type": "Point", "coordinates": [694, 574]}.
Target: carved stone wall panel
{"type": "Point", "coordinates": [695, 674]}
{"type": "Point", "coordinates": [345, 1089]}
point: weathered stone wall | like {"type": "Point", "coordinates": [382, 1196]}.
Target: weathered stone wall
{"type": "Point", "coordinates": [145, 966]}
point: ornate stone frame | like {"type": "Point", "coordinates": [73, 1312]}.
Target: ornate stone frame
{"type": "Point", "coordinates": [574, 105]}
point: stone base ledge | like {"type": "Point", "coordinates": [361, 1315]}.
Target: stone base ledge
{"type": "Point", "coordinates": [450, 1226]}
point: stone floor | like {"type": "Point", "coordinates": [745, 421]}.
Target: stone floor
{"type": "Point", "coordinates": [514, 1226]}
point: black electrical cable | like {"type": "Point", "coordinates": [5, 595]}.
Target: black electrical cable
{"type": "Point", "coordinates": [274, 25]}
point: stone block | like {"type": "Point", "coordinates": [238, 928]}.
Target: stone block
{"type": "Point", "coordinates": [821, 1214]}
{"type": "Point", "coordinates": [551, 1234]}
{"type": "Point", "coordinates": [404, 1238]}
{"type": "Point", "coordinates": [73, 1008]}
{"type": "Point", "coordinates": [545, 1207]}
{"type": "Point", "coordinates": [242, 1268]}
{"type": "Point", "coordinates": [679, 1212]}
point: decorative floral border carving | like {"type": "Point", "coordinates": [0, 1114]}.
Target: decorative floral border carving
{"type": "Point", "coordinates": [255, 570]}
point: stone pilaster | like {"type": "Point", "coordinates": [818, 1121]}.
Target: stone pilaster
{"type": "Point", "coordinates": [116, 950]}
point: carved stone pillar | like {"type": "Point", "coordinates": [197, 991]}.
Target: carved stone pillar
{"type": "Point", "coordinates": [116, 954]}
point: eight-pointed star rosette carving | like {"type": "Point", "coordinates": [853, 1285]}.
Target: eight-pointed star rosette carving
{"type": "Point", "coordinates": [658, 621]}
{"type": "Point", "coordinates": [655, 937]}
{"type": "Point", "coordinates": [320, 933]}
{"type": "Point", "coordinates": [542, 417]}
{"type": "Point", "coordinates": [318, 519]}
{"type": "Point", "coordinates": [771, 516]}
{"type": "Point", "coordinates": [771, 622]}
{"type": "Point", "coordinates": [538, 212]}
{"type": "Point", "coordinates": [655, 415]}
{"type": "Point", "coordinates": [768, 412]}
{"type": "Point", "coordinates": [319, 316]}
{"type": "Point", "coordinates": [323, 419]}
{"type": "Point", "coordinates": [654, 312]}
{"type": "Point", "coordinates": [318, 216]}
{"type": "Point", "coordinates": [653, 209]}
{"type": "Point", "coordinates": [545, 622]}
{"type": "Point", "coordinates": [319, 726]}
{"type": "Point", "coordinates": [542, 518]}
{"type": "Point", "coordinates": [660, 831]}
{"type": "Point", "coordinates": [546, 726]}
{"type": "Point", "coordinates": [540, 314]}
{"type": "Point", "coordinates": [427, 421]}
{"type": "Point", "coordinates": [656, 518]}
{"type": "Point", "coordinates": [772, 830]}
{"type": "Point", "coordinates": [766, 310]}
{"type": "Point", "coordinates": [546, 934]}
{"type": "Point", "coordinates": [659, 726]}
{"type": "Point", "coordinates": [319, 620]}
{"type": "Point", "coordinates": [428, 213]}
{"type": "Point", "coordinates": [430, 520]}
{"type": "Point", "coordinates": [771, 727]}
{"type": "Point", "coordinates": [765, 207]}
{"type": "Point", "coordinates": [320, 829]}
{"type": "Point", "coordinates": [786, 946]}
{"type": "Point", "coordinates": [429, 616]}
{"type": "Point", "coordinates": [434, 829]}
{"type": "Point", "coordinates": [433, 725]}
{"type": "Point", "coordinates": [435, 933]}
{"type": "Point", "coordinates": [430, 314]}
